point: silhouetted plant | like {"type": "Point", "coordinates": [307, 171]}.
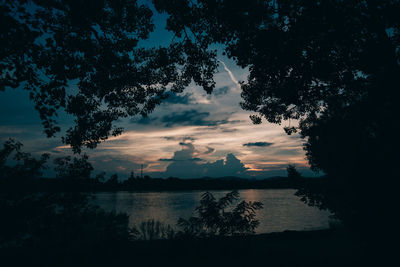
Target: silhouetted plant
{"type": "Point", "coordinates": [68, 167]}
{"type": "Point", "coordinates": [216, 217]}
{"type": "Point", "coordinates": [61, 219]}
{"type": "Point", "coordinates": [16, 164]}
{"type": "Point", "coordinates": [47, 46]}
{"type": "Point", "coordinates": [37, 218]}
{"type": "Point", "coordinates": [151, 230]}
{"type": "Point", "coordinates": [293, 173]}
{"type": "Point", "coordinates": [113, 180]}
{"type": "Point", "coordinates": [99, 178]}
{"type": "Point", "coordinates": [309, 191]}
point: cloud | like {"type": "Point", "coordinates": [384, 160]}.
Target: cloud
{"type": "Point", "coordinates": [144, 120]}
{"type": "Point", "coordinates": [230, 73]}
{"type": "Point", "coordinates": [226, 130]}
{"type": "Point", "coordinates": [175, 98]}
{"type": "Point", "coordinates": [192, 159]}
{"type": "Point", "coordinates": [232, 166]}
{"type": "Point", "coordinates": [210, 150]}
{"type": "Point", "coordinates": [185, 165]}
{"type": "Point", "coordinates": [280, 170]}
{"type": "Point", "coordinates": [192, 118]}
{"type": "Point", "coordinates": [186, 153]}
{"type": "Point", "coordinates": [258, 144]}
{"type": "Point", "coordinates": [288, 152]}
{"type": "Point", "coordinates": [188, 145]}
{"type": "Point", "coordinates": [177, 138]}
{"type": "Point", "coordinates": [221, 91]}
{"type": "Point", "coordinates": [188, 117]}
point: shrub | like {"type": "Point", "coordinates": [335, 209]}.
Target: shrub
{"type": "Point", "coordinates": [218, 218]}
{"type": "Point", "coordinates": [151, 230]}
{"type": "Point", "coordinates": [58, 219]}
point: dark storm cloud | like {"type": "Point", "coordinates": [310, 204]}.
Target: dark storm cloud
{"type": "Point", "coordinates": [210, 150]}
{"type": "Point", "coordinates": [183, 118]}
{"type": "Point", "coordinates": [175, 98]}
{"type": "Point", "coordinates": [172, 159]}
{"type": "Point", "coordinates": [188, 117]}
{"type": "Point", "coordinates": [226, 130]}
{"type": "Point", "coordinates": [185, 144]}
{"type": "Point", "coordinates": [177, 138]}
{"type": "Point", "coordinates": [258, 144]}
{"type": "Point", "coordinates": [289, 152]}
{"type": "Point", "coordinates": [165, 159]}
{"type": "Point", "coordinates": [192, 118]}
{"type": "Point", "coordinates": [144, 120]}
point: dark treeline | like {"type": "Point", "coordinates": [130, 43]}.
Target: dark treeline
{"type": "Point", "coordinates": [148, 184]}
{"type": "Point", "coordinates": [20, 171]}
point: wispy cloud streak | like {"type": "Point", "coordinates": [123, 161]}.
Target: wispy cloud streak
{"type": "Point", "coordinates": [230, 73]}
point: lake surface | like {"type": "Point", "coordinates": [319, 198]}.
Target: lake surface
{"type": "Point", "coordinates": [282, 209]}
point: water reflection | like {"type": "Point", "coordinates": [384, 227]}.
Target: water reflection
{"type": "Point", "coordinates": [282, 209]}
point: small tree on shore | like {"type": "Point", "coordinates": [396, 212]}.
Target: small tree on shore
{"type": "Point", "coordinates": [216, 218]}
{"type": "Point", "coordinates": [68, 167]}
{"type": "Point", "coordinates": [14, 163]}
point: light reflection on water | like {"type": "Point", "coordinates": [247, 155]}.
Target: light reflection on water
{"type": "Point", "coordinates": [282, 209]}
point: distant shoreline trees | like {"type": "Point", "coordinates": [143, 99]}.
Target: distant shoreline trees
{"type": "Point", "coordinates": [76, 174]}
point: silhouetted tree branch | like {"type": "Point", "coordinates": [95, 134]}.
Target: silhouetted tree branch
{"type": "Point", "coordinates": [87, 59]}
{"type": "Point", "coordinates": [16, 164]}
{"type": "Point", "coordinates": [333, 66]}
{"type": "Point", "coordinates": [76, 168]}
{"type": "Point", "coordinates": [216, 217]}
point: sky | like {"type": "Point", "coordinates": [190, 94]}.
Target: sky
{"type": "Point", "coordinates": [189, 135]}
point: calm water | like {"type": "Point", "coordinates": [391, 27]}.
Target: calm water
{"type": "Point", "coordinates": [282, 209]}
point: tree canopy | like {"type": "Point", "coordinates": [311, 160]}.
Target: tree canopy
{"type": "Point", "coordinates": [86, 57]}
{"type": "Point", "coordinates": [25, 166]}
{"type": "Point", "coordinates": [334, 67]}
{"type": "Point", "coordinates": [303, 57]}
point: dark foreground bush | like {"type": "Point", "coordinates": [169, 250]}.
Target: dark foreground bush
{"type": "Point", "coordinates": [218, 218]}
{"type": "Point", "coordinates": [152, 230]}
{"type": "Point", "coordinates": [57, 219]}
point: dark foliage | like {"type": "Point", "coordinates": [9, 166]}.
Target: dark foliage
{"type": "Point", "coordinates": [153, 230]}
{"type": "Point", "coordinates": [75, 168]}
{"type": "Point", "coordinates": [216, 218]}
{"type": "Point", "coordinates": [34, 216]}
{"type": "Point", "coordinates": [57, 219]}
{"type": "Point", "coordinates": [112, 182]}
{"type": "Point", "coordinates": [332, 65]}
{"type": "Point", "coordinates": [16, 164]}
{"type": "Point", "coordinates": [87, 58]}
{"type": "Point", "coordinates": [293, 174]}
